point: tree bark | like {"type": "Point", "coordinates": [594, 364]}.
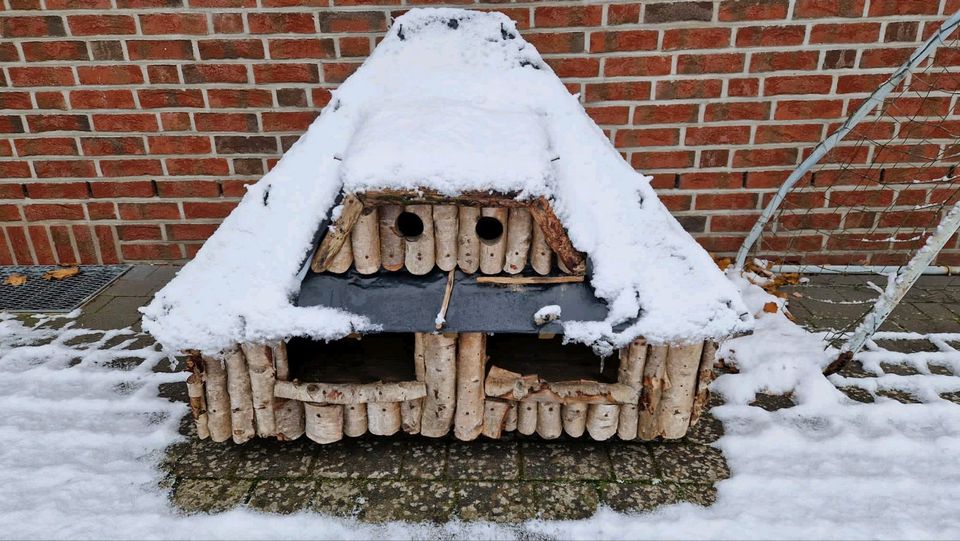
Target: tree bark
{"type": "Point", "coordinates": [495, 418]}
{"type": "Point", "coordinates": [574, 419]}
{"type": "Point", "coordinates": [510, 424]}
{"type": "Point", "coordinates": [411, 411]}
{"type": "Point", "coordinates": [324, 422]}
{"type": "Point", "coordinates": [420, 253]}
{"type": "Point", "coordinates": [541, 256]}
{"type": "Point", "coordinates": [705, 376]}
{"type": "Point", "coordinates": [556, 236]}
{"type": "Point", "coordinates": [262, 379]}
{"type": "Point", "coordinates": [632, 359]}
{"type": "Point", "coordinates": [342, 260]}
{"type": "Point", "coordinates": [338, 234]}
{"type": "Point", "coordinates": [355, 420]}
{"type": "Point", "coordinates": [391, 243]}
{"type": "Point", "coordinates": [446, 230]}
{"type": "Point", "coordinates": [365, 240]}
{"type": "Point", "coordinates": [218, 400]}
{"type": "Point", "coordinates": [241, 397]}
{"type": "Point", "coordinates": [471, 357]}
{"type": "Point", "coordinates": [527, 417]}
{"type": "Point", "coordinates": [468, 243]}
{"type": "Point", "coordinates": [518, 240]}
{"type": "Point", "coordinates": [383, 418]}
{"type": "Point", "coordinates": [676, 403]}
{"type": "Point", "coordinates": [602, 420]}
{"type": "Point", "coordinates": [654, 380]}
{"type": "Point", "coordinates": [198, 405]}
{"type": "Point", "coordinates": [439, 404]}
{"type": "Point", "coordinates": [492, 252]}
{"type": "Point", "coordinates": [288, 413]}
{"type": "Point", "coordinates": [549, 424]}
{"type": "Point", "coordinates": [350, 393]}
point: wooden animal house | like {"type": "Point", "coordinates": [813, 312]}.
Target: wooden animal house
{"type": "Point", "coordinates": [432, 258]}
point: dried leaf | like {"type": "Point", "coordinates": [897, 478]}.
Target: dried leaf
{"type": "Point", "coordinates": [723, 263]}
{"type": "Point", "coordinates": [770, 308]}
{"type": "Point", "coordinates": [15, 280]}
{"type": "Point", "coordinates": [60, 274]}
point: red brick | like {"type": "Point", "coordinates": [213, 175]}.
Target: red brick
{"type": "Point", "coordinates": [208, 209]}
{"type": "Point", "coordinates": [861, 198]}
{"type": "Point", "coordinates": [130, 168]}
{"type": "Point", "coordinates": [717, 135]}
{"type": "Point", "coordinates": [626, 40]}
{"type": "Point", "coordinates": [163, 75]}
{"type": "Point", "coordinates": [15, 100]}
{"type": "Point", "coordinates": [10, 213]}
{"type": "Point", "coordinates": [107, 244]}
{"type": "Point", "coordinates": [110, 75]}
{"type": "Point", "coordinates": [688, 89]}
{"type": "Point", "coordinates": [190, 231]}
{"type": "Point", "coordinates": [239, 98]}
{"type": "Point", "coordinates": [150, 4]}
{"type": "Point", "coordinates": [885, 57]}
{"type": "Point", "coordinates": [736, 110]}
{"type": "Point", "coordinates": [778, 61]}
{"type": "Point", "coordinates": [49, 211]}
{"type": "Point", "coordinates": [175, 121]}
{"type": "Point", "coordinates": [817, 9]}
{"type": "Point", "coordinates": [647, 137]}
{"type": "Point", "coordinates": [810, 221]}
{"type": "Point", "coordinates": [352, 21]}
{"type": "Point", "coordinates": [64, 168]}
{"type": "Point", "coordinates": [883, 8]}
{"type": "Point", "coordinates": [197, 166]}
{"type": "Point", "coordinates": [285, 73]}
{"type": "Point", "coordinates": [637, 90]}
{"type": "Point", "coordinates": [235, 188]}
{"type": "Point", "coordinates": [139, 232]}
{"type": "Point", "coordinates": [753, 10]}
{"type": "Point", "coordinates": [39, 51]}
{"type": "Point", "coordinates": [111, 146]}
{"type": "Point", "coordinates": [804, 84]}
{"type": "Point", "coordinates": [292, 97]}
{"type": "Point", "coordinates": [557, 16]}
{"type": "Point", "coordinates": [14, 170]}
{"type": "Point", "coordinates": [623, 14]}
{"type": "Point", "coordinates": [86, 249]}
{"type": "Point", "coordinates": [125, 122]}
{"type": "Point", "coordinates": [95, 25]}
{"type": "Point", "coordinates": [151, 252]}
{"type": "Point", "coordinates": [77, 4]}
{"type": "Point", "coordinates": [236, 122]}
{"type": "Point", "coordinates": [20, 245]}
{"type": "Point", "coordinates": [161, 49]}
{"type": "Point", "coordinates": [636, 65]}
{"type": "Point", "coordinates": [609, 115]}
{"type": "Point", "coordinates": [845, 33]}
{"type": "Point", "coordinates": [173, 23]}
{"type": "Point", "coordinates": [188, 188]}
{"type": "Point", "coordinates": [336, 72]}
{"type": "Point", "coordinates": [149, 211]}
{"type": "Point", "coordinates": [40, 240]}
{"type": "Point", "coordinates": [11, 191]}
{"type": "Point", "coordinates": [107, 50]}
{"type": "Point", "coordinates": [62, 245]}
{"type": "Point", "coordinates": [732, 222]}
{"type": "Point", "coordinates": [6, 257]}
{"type": "Point", "coordinates": [9, 53]}
{"type": "Point", "coordinates": [23, 27]}
{"type": "Point", "coordinates": [214, 73]}
{"type": "Point", "coordinates": [765, 157]}
{"type": "Point", "coordinates": [866, 83]}
{"type": "Point", "coordinates": [709, 63]}
{"type": "Point", "coordinates": [101, 99]}
{"type": "Point", "coordinates": [160, 98]}
{"type": "Point", "coordinates": [224, 49]}
{"type": "Point", "coordinates": [743, 87]}
{"type": "Point", "coordinates": [710, 181]}
{"type": "Point", "coordinates": [112, 190]}
{"type": "Point", "coordinates": [731, 201]}
{"type": "Point", "coordinates": [696, 38]}
{"type": "Point", "coordinates": [789, 133]}
{"type": "Point", "coordinates": [777, 36]}
{"type": "Point", "coordinates": [558, 42]}
{"type": "Point", "coordinates": [47, 146]}
{"type": "Point", "coordinates": [302, 48]}
{"type": "Point", "coordinates": [678, 11]}
{"type": "Point", "coordinates": [678, 159]}
{"type": "Point", "coordinates": [41, 76]}
{"type": "Point", "coordinates": [281, 23]}
{"type": "Point", "coordinates": [320, 96]}
{"type": "Point", "coordinates": [12, 124]}
{"type": "Point", "coordinates": [239, 144]}
{"type": "Point", "coordinates": [228, 23]}
{"type": "Point", "coordinates": [288, 121]}
{"type": "Point", "coordinates": [665, 114]}
{"type": "Point", "coordinates": [520, 15]}
{"type": "Point", "coordinates": [676, 202]}
{"type": "Point", "coordinates": [179, 144]}
{"type": "Point", "coordinates": [803, 110]}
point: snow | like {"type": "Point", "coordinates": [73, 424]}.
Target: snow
{"type": "Point", "coordinates": [546, 314]}
{"type": "Point", "coordinates": [467, 108]}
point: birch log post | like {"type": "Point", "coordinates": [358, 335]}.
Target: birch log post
{"type": "Point", "coordinates": [492, 251]}
{"type": "Point", "coordinates": [549, 423]}
{"type": "Point", "coordinates": [420, 252]}
{"type": "Point", "coordinates": [468, 243]}
{"type": "Point", "coordinates": [411, 411]}
{"type": "Point", "coordinates": [630, 372]}
{"type": "Point", "coordinates": [676, 402]}
{"type": "Point", "coordinates": [241, 397]}
{"type": "Point", "coordinates": [324, 422]}
{"type": "Point", "coordinates": [383, 418]}
{"type": "Point", "coordinates": [355, 420]}
{"type": "Point", "coordinates": [365, 240]}
{"type": "Point", "coordinates": [654, 375]}
{"type": "Point", "coordinates": [527, 417]}
{"type": "Point", "coordinates": [288, 413]}
{"type": "Point", "coordinates": [495, 414]}
{"type": "Point", "coordinates": [510, 424]}
{"type": "Point", "coordinates": [471, 357]}
{"type": "Point", "coordinates": [343, 259]}
{"type": "Point", "coordinates": [440, 363]}
{"type": "Point", "coordinates": [574, 419]}
{"type": "Point", "coordinates": [518, 240]}
{"type": "Point", "coordinates": [262, 379]}
{"type": "Point", "coordinates": [446, 231]}
{"type": "Point", "coordinates": [391, 243]}
{"type": "Point", "coordinates": [541, 255]}
{"type": "Point", "coordinates": [705, 376]}
{"type": "Point", "coordinates": [198, 405]}
{"type": "Point", "coordinates": [602, 420]}
{"type": "Point", "coordinates": [218, 400]}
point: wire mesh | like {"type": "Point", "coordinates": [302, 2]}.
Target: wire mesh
{"type": "Point", "coordinates": [40, 295]}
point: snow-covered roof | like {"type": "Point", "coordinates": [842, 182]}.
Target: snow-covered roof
{"type": "Point", "coordinates": [455, 101]}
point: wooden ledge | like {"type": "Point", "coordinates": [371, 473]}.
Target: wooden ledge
{"type": "Point", "coordinates": [350, 393]}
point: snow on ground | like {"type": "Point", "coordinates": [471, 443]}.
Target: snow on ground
{"type": "Point", "coordinates": [80, 441]}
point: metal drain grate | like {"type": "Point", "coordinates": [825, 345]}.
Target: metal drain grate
{"type": "Point", "coordinates": [39, 295]}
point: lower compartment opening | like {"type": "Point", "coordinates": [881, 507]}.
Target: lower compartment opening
{"type": "Point", "coordinates": [386, 357]}
{"type": "Point", "coordinates": [550, 359]}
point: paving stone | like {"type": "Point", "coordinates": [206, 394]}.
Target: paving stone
{"type": "Point", "coordinates": [633, 461]}
{"type": "Point", "coordinates": [424, 459]}
{"type": "Point", "coordinates": [127, 363]}
{"type": "Point", "coordinates": [940, 369]}
{"type": "Point", "coordinates": [935, 310]}
{"type": "Point", "coordinates": [209, 495]}
{"type": "Point", "coordinates": [569, 460]}
{"type": "Point", "coordinates": [359, 459]}
{"type": "Point", "coordinates": [690, 462]}
{"type": "Point", "coordinates": [496, 502]}
{"type": "Point", "coordinates": [84, 339]}
{"type": "Point", "coordinates": [566, 501]}
{"type": "Point", "coordinates": [952, 397]}
{"type": "Point", "coordinates": [900, 396]}
{"type": "Point", "coordinates": [855, 369]}
{"type": "Point", "coordinates": [637, 497]}
{"type": "Point", "coordinates": [772, 402]}
{"type": "Point", "coordinates": [270, 459]}
{"type": "Point", "coordinates": [483, 460]}
{"type": "Point", "coordinates": [173, 391]}
{"type": "Point", "coordinates": [117, 313]}
{"type": "Point", "coordinates": [906, 346]}
{"type": "Point", "coordinates": [283, 496]}
{"type": "Point", "coordinates": [204, 458]}
{"type": "Point", "coordinates": [704, 495]}
{"type": "Point", "coordinates": [857, 393]}
{"type": "Point", "coordinates": [931, 326]}
{"type": "Point", "coordinates": [411, 501]}
{"type": "Point", "coordinates": [707, 430]}
{"type": "Point", "coordinates": [339, 498]}
{"type": "Point", "coordinates": [899, 369]}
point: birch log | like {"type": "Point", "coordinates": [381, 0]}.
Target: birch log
{"type": "Point", "coordinates": [383, 418]}
{"type": "Point", "coordinates": [324, 422]}
{"type": "Point", "coordinates": [510, 424]}
{"type": "Point", "coordinates": [676, 402]}
{"type": "Point", "coordinates": [218, 400]}
{"type": "Point", "coordinates": [527, 417]}
{"type": "Point", "coordinates": [705, 376]}
{"type": "Point", "coordinates": [241, 397]}
{"type": "Point", "coordinates": [411, 411]}
{"type": "Point", "coordinates": [540, 253]}
{"type": "Point", "coordinates": [288, 413]}
{"type": "Point", "coordinates": [654, 375]}
{"type": "Point", "coordinates": [446, 231]}
{"type": "Point", "coordinates": [440, 363]}
{"type": "Point", "coordinates": [471, 356]}
{"type": "Point", "coordinates": [549, 424]}
{"type": "Point", "coordinates": [391, 243]}
{"type": "Point", "coordinates": [198, 405]}
{"type": "Point", "coordinates": [355, 420]}
{"type": "Point", "coordinates": [492, 251]}
{"type": "Point", "coordinates": [468, 243]}
{"type": "Point", "coordinates": [602, 420]}
{"type": "Point", "coordinates": [343, 259]}
{"type": "Point", "coordinates": [574, 419]}
{"type": "Point", "coordinates": [518, 240]}
{"type": "Point", "coordinates": [420, 253]}
{"type": "Point", "coordinates": [262, 379]}
{"type": "Point", "coordinates": [632, 359]}
{"type": "Point", "coordinates": [495, 414]}
{"type": "Point", "coordinates": [365, 240]}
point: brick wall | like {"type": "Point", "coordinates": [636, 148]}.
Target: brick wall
{"type": "Point", "coordinates": [131, 126]}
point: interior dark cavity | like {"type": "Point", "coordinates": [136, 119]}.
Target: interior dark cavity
{"type": "Point", "coordinates": [549, 358]}
{"type": "Point", "coordinates": [375, 357]}
{"type": "Point", "coordinates": [409, 225]}
{"type": "Point", "coordinates": [489, 228]}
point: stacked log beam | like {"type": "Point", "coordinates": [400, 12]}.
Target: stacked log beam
{"type": "Point", "coordinates": [391, 243]}
{"type": "Point", "coordinates": [324, 422]}
{"type": "Point", "coordinates": [411, 411]}
{"type": "Point", "coordinates": [365, 241]}
{"type": "Point", "coordinates": [218, 399]}
{"type": "Point", "coordinates": [468, 243]}
{"type": "Point", "coordinates": [471, 358]}
{"type": "Point", "coordinates": [262, 379]}
{"type": "Point", "coordinates": [289, 414]}
{"type": "Point", "coordinates": [241, 396]}
{"type": "Point", "coordinates": [630, 372]}
{"type": "Point", "coordinates": [492, 252]}
{"type": "Point", "coordinates": [420, 252]}
{"type": "Point", "coordinates": [518, 233]}
{"type": "Point", "coordinates": [440, 364]}
{"type": "Point", "coordinates": [446, 231]}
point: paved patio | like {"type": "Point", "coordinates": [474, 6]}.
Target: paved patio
{"type": "Point", "coordinates": [414, 478]}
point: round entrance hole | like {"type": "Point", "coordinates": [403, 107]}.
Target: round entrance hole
{"type": "Point", "coordinates": [489, 228]}
{"type": "Point", "coordinates": [409, 225]}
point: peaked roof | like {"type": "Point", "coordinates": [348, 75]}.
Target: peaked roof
{"type": "Point", "coordinates": [454, 101]}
